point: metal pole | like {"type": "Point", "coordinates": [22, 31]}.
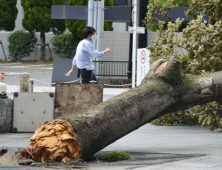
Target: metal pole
{"type": "Point", "coordinates": [134, 42]}
{"type": "Point", "coordinates": [3, 49]}
{"type": "Point", "coordinates": [99, 25]}
{"type": "Point", "coordinates": [90, 12]}
{"type": "Point", "coordinates": [95, 19]}
{"type": "Point", "coordinates": [102, 16]}
{"type": "Point", "coordinates": [98, 34]}
{"type": "Point", "coordinates": [49, 51]}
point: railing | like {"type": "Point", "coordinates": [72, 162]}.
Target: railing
{"type": "Point", "coordinates": [111, 68]}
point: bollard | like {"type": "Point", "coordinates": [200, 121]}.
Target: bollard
{"type": "Point", "coordinates": [3, 87]}
{"type": "Point", "coordinates": [24, 82]}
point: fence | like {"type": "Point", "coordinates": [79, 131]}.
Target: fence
{"type": "Point", "coordinates": [112, 68]}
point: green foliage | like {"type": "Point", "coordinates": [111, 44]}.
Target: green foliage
{"type": "Point", "coordinates": [21, 44]}
{"type": "Point", "coordinates": [177, 3]}
{"type": "Point", "coordinates": [153, 27]}
{"type": "Point", "coordinates": [210, 115]}
{"type": "Point", "coordinates": [8, 14]}
{"type": "Point", "coordinates": [184, 117]}
{"type": "Point", "coordinates": [37, 16]}
{"type": "Point", "coordinates": [184, 60]}
{"type": "Point", "coordinates": [65, 45]}
{"type": "Point", "coordinates": [76, 27]}
{"type": "Point", "coordinates": [202, 41]}
{"type": "Point", "coordinates": [116, 156]}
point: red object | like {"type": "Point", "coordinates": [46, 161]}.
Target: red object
{"type": "Point", "coordinates": [2, 78]}
{"type": "Point", "coordinates": [2, 73]}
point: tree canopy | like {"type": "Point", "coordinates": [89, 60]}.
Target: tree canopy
{"type": "Point", "coordinates": [37, 18]}
{"type": "Point", "coordinates": [8, 14]}
{"type": "Point", "coordinates": [201, 40]}
{"type": "Point", "coordinates": [76, 27]}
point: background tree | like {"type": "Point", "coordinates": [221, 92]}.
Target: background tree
{"type": "Point", "coordinates": [202, 41]}
{"type": "Point", "coordinates": [37, 18]}
{"type": "Point", "coordinates": [76, 27]}
{"type": "Point", "coordinates": [8, 14]}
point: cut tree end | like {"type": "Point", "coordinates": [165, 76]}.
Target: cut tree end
{"type": "Point", "coordinates": [169, 70]}
{"type": "Point", "coordinates": [161, 68]}
{"type": "Point", "coordinates": [54, 141]}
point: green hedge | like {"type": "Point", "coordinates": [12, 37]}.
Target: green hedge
{"type": "Point", "coordinates": [65, 45]}
{"type": "Point", "coordinates": [21, 44]}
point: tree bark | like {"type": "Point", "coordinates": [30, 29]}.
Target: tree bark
{"type": "Point", "coordinates": [42, 38]}
{"type": "Point", "coordinates": [165, 89]}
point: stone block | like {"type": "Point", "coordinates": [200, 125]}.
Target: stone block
{"type": "Point", "coordinates": [24, 82]}
{"type": "Point", "coordinates": [71, 98]}
{"type": "Point", "coordinates": [6, 115]}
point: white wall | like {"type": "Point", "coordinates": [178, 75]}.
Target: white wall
{"type": "Point", "coordinates": [118, 42]}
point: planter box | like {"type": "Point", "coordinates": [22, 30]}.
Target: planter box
{"type": "Point", "coordinates": [72, 98]}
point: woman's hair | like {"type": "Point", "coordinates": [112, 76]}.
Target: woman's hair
{"type": "Point", "coordinates": [87, 31]}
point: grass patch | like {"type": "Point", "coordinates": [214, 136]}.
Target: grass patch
{"type": "Point", "coordinates": [116, 156]}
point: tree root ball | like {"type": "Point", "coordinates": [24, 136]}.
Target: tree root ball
{"type": "Point", "coordinates": [54, 141]}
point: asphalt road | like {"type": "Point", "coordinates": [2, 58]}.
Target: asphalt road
{"type": "Point", "coordinates": [42, 72]}
{"type": "Point", "coordinates": [152, 148]}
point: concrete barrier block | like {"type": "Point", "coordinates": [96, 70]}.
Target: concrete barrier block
{"type": "Point", "coordinates": [6, 115]}
{"type": "Point", "coordinates": [71, 98]}
{"type": "Point", "coordinates": [31, 110]}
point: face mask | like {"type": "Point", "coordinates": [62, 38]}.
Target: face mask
{"type": "Point", "coordinates": [94, 37]}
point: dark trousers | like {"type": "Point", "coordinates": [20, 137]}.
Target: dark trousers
{"type": "Point", "coordinates": [87, 75]}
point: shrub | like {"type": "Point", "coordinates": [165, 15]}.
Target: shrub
{"type": "Point", "coordinates": [21, 44]}
{"type": "Point", "coordinates": [116, 156]}
{"type": "Point", "coordinates": [184, 117]}
{"type": "Point", "coordinates": [65, 45]}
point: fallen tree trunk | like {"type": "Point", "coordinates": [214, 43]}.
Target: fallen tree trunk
{"type": "Point", "coordinates": [165, 89]}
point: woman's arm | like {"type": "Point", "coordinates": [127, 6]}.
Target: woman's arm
{"type": "Point", "coordinates": [72, 69]}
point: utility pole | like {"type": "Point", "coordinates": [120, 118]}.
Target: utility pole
{"type": "Point", "coordinates": [95, 19]}
{"type": "Point", "coordinates": [90, 13]}
{"type": "Point", "coordinates": [102, 15]}
{"type": "Point", "coordinates": [134, 42]}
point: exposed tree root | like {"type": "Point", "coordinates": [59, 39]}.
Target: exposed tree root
{"type": "Point", "coordinates": [54, 141]}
